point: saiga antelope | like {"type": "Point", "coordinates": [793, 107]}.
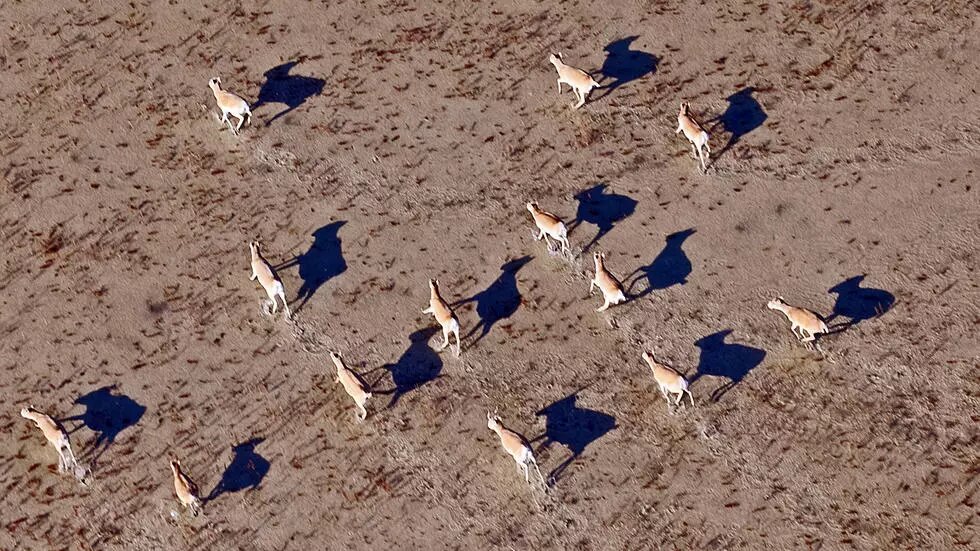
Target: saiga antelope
{"type": "Point", "coordinates": [548, 225]}
{"type": "Point", "coordinates": [230, 104]}
{"type": "Point", "coordinates": [517, 446]}
{"type": "Point", "coordinates": [56, 435]}
{"type": "Point", "coordinates": [612, 289]}
{"type": "Point", "coordinates": [262, 270]}
{"type": "Point", "coordinates": [440, 309]}
{"type": "Point", "coordinates": [356, 389]}
{"type": "Point", "coordinates": [187, 492]}
{"type": "Point", "coordinates": [670, 381]}
{"type": "Point", "coordinates": [808, 323]}
{"type": "Point", "coordinates": [694, 133]}
{"type": "Point", "coordinates": [578, 80]}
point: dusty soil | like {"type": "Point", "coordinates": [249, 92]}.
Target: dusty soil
{"type": "Point", "coordinates": [397, 141]}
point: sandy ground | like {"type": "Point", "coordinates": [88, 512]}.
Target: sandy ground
{"type": "Point", "coordinates": [397, 141]}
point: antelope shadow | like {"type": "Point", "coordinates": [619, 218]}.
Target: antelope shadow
{"type": "Point", "coordinates": [858, 303]}
{"type": "Point", "coordinates": [602, 210]}
{"type": "Point", "coordinates": [624, 65]}
{"type": "Point", "coordinates": [418, 365]}
{"type": "Point", "coordinates": [670, 267]}
{"type": "Point", "coordinates": [107, 414]}
{"type": "Point", "coordinates": [573, 427]}
{"type": "Point", "coordinates": [291, 90]}
{"type": "Point", "coordinates": [323, 261]}
{"type": "Point", "coordinates": [743, 115]}
{"type": "Point", "coordinates": [500, 300]}
{"type": "Point", "coordinates": [726, 360]}
{"type": "Point", "coordinates": [246, 470]}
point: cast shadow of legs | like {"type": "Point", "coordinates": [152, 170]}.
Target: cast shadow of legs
{"type": "Point", "coordinates": [730, 361]}
{"type": "Point", "coordinates": [743, 115]}
{"type": "Point", "coordinates": [670, 267]}
{"type": "Point", "coordinates": [107, 414]}
{"type": "Point", "coordinates": [419, 365]}
{"type": "Point", "coordinates": [291, 90]}
{"type": "Point", "coordinates": [858, 303]}
{"type": "Point", "coordinates": [601, 209]}
{"type": "Point", "coordinates": [572, 427]}
{"type": "Point", "coordinates": [624, 65]}
{"type": "Point", "coordinates": [246, 471]}
{"type": "Point", "coordinates": [322, 262]}
{"type": "Point", "coordinates": [500, 300]}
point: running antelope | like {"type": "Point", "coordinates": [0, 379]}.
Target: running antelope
{"type": "Point", "coordinates": [694, 133]}
{"type": "Point", "coordinates": [355, 388]}
{"type": "Point", "coordinates": [808, 323]}
{"type": "Point", "coordinates": [578, 80]}
{"type": "Point", "coordinates": [57, 436]}
{"type": "Point", "coordinates": [612, 289]}
{"type": "Point", "coordinates": [186, 490]}
{"type": "Point", "coordinates": [548, 225]}
{"type": "Point", "coordinates": [670, 381]}
{"type": "Point", "coordinates": [262, 271]}
{"type": "Point", "coordinates": [440, 309]}
{"type": "Point", "coordinates": [230, 104]}
{"type": "Point", "coordinates": [517, 446]}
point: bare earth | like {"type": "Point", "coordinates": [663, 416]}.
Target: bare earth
{"type": "Point", "coordinates": [845, 143]}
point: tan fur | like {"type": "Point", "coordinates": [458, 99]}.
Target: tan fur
{"type": "Point", "coordinates": [694, 133]}
{"type": "Point", "coordinates": [516, 445]}
{"type": "Point", "coordinates": [356, 389]}
{"type": "Point", "coordinates": [230, 104]}
{"type": "Point", "coordinates": [612, 289]}
{"type": "Point", "coordinates": [669, 380]}
{"type": "Point", "coordinates": [549, 225]}
{"type": "Point", "coordinates": [578, 80]}
{"type": "Point", "coordinates": [808, 323]}
{"type": "Point", "coordinates": [56, 436]}
{"type": "Point", "coordinates": [440, 309]}
{"type": "Point", "coordinates": [262, 271]}
{"type": "Point", "coordinates": [187, 492]}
